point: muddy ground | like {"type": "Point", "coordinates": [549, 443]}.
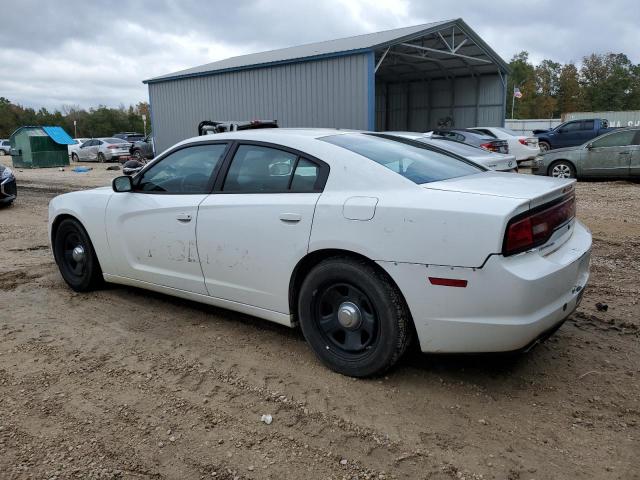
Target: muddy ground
{"type": "Point", "coordinates": [123, 383]}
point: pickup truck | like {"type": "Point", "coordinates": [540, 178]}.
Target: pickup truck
{"type": "Point", "coordinates": [571, 134]}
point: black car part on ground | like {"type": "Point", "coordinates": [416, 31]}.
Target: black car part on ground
{"type": "Point", "coordinates": [132, 167]}
{"type": "Point", "coordinates": [208, 127]}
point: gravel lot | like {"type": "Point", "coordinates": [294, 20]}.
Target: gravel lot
{"type": "Point", "coordinates": [124, 383]}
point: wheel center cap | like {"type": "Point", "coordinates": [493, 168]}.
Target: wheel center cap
{"type": "Point", "coordinates": [349, 315]}
{"type": "Point", "coordinates": [78, 254]}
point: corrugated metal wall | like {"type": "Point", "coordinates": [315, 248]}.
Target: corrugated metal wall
{"type": "Point", "coordinates": [418, 106]}
{"type": "Point", "coordinates": [629, 118]}
{"type": "Point", "coordinates": [321, 93]}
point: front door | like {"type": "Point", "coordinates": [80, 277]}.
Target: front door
{"type": "Point", "coordinates": [254, 230]}
{"type": "Point", "coordinates": [88, 151]}
{"type": "Point", "coordinates": [152, 230]}
{"type": "Point", "coordinates": [609, 155]}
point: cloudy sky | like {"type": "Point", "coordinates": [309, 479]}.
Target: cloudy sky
{"type": "Point", "coordinates": [86, 53]}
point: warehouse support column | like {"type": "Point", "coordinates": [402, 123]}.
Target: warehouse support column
{"type": "Point", "coordinates": [371, 92]}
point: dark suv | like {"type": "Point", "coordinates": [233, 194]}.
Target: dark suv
{"type": "Point", "coordinates": [143, 149]}
{"type": "Point", "coordinates": [130, 137]}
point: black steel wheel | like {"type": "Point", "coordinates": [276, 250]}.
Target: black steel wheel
{"type": "Point", "coordinates": [346, 318]}
{"type": "Point", "coordinates": [76, 257]}
{"type": "Point", "coordinates": [353, 317]}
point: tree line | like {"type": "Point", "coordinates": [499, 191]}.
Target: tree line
{"type": "Point", "coordinates": [602, 82]}
{"type": "Point", "coordinates": [94, 122]}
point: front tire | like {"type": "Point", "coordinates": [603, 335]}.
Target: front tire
{"type": "Point", "coordinates": [562, 169]}
{"type": "Point", "coordinates": [354, 317]}
{"type": "Point", "coordinates": [75, 256]}
{"type": "Point", "coordinates": [544, 146]}
{"type": "Point", "coordinates": [74, 158]}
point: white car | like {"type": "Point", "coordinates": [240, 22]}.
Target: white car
{"type": "Point", "coordinates": [363, 240]}
{"type": "Point", "coordinates": [102, 150]}
{"type": "Point", "coordinates": [499, 162]}
{"type": "Point", "coordinates": [75, 147]}
{"type": "Point", "coordinates": [524, 148]}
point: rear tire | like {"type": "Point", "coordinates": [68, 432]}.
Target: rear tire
{"type": "Point", "coordinates": [353, 317]}
{"type": "Point", "coordinates": [562, 169]}
{"type": "Point", "coordinates": [75, 256]}
{"type": "Point", "coordinates": [544, 146]}
{"type": "Point", "coordinates": [101, 158]}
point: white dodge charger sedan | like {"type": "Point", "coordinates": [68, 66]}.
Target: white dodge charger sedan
{"type": "Point", "coordinates": [365, 241]}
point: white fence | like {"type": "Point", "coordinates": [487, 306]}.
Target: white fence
{"type": "Point", "coordinates": [526, 126]}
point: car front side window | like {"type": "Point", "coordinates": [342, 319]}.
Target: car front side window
{"type": "Point", "coordinates": [186, 171]}
{"type": "Point", "coordinates": [618, 139]}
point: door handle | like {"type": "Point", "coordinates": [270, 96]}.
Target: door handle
{"type": "Point", "coordinates": [290, 217]}
{"type": "Point", "coordinates": [183, 217]}
{"type": "Point", "coordinates": [624, 153]}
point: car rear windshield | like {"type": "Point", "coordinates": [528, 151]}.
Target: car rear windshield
{"type": "Point", "coordinates": [408, 158]}
{"type": "Point", "coordinates": [456, 147]}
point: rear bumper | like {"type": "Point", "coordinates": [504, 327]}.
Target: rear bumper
{"type": "Point", "coordinates": [507, 305]}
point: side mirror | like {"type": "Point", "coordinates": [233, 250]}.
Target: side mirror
{"type": "Point", "coordinates": [589, 146]}
{"type": "Point", "coordinates": [122, 184]}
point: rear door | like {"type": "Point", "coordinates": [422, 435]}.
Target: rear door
{"type": "Point", "coordinates": [610, 155]}
{"type": "Point", "coordinates": [255, 227]}
{"type": "Point", "coordinates": [152, 230]}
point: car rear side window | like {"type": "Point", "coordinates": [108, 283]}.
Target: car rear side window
{"type": "Point", "coordinates": [261, 169]}
{"type": "Point", "coordinates": [414, 161]}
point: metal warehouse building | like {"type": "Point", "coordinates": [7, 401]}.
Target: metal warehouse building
{"type": "Point", "coordinates": [409, 78]}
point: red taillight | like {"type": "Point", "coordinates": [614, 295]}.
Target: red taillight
{"type": "Point", "coordinates": [523, 141]}
{"type": "Point", "coordinates": [448, 282]}
{"type": "Point", "coordinates": [489, 146]}
{"type": "Point", "coordinates": [536, 227]}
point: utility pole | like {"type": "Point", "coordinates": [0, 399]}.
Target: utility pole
{"type": "Point", "coordinates": [144, 122]}
{"type": "Point", "coordinates": [513, 100]}
{"type": "Point", "coordinates": [75, 130]}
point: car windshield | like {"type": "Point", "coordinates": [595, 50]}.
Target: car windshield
{"type": "Point", "coordinates": [414, 161]}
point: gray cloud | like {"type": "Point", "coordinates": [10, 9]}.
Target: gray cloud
{"type": "Point", "coordinates": [89, 53]}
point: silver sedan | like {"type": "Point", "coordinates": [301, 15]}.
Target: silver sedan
{"type": "Point", "coordinates": [102, 150]}
{"type": "Point", "coordinates": [615, 154]}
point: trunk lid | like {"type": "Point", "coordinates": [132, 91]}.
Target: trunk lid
{"type": "Point", "coordinates": [536, 190]}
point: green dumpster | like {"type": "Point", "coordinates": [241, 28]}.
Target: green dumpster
{"type": "Point", "coordinates": [40, 147]}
